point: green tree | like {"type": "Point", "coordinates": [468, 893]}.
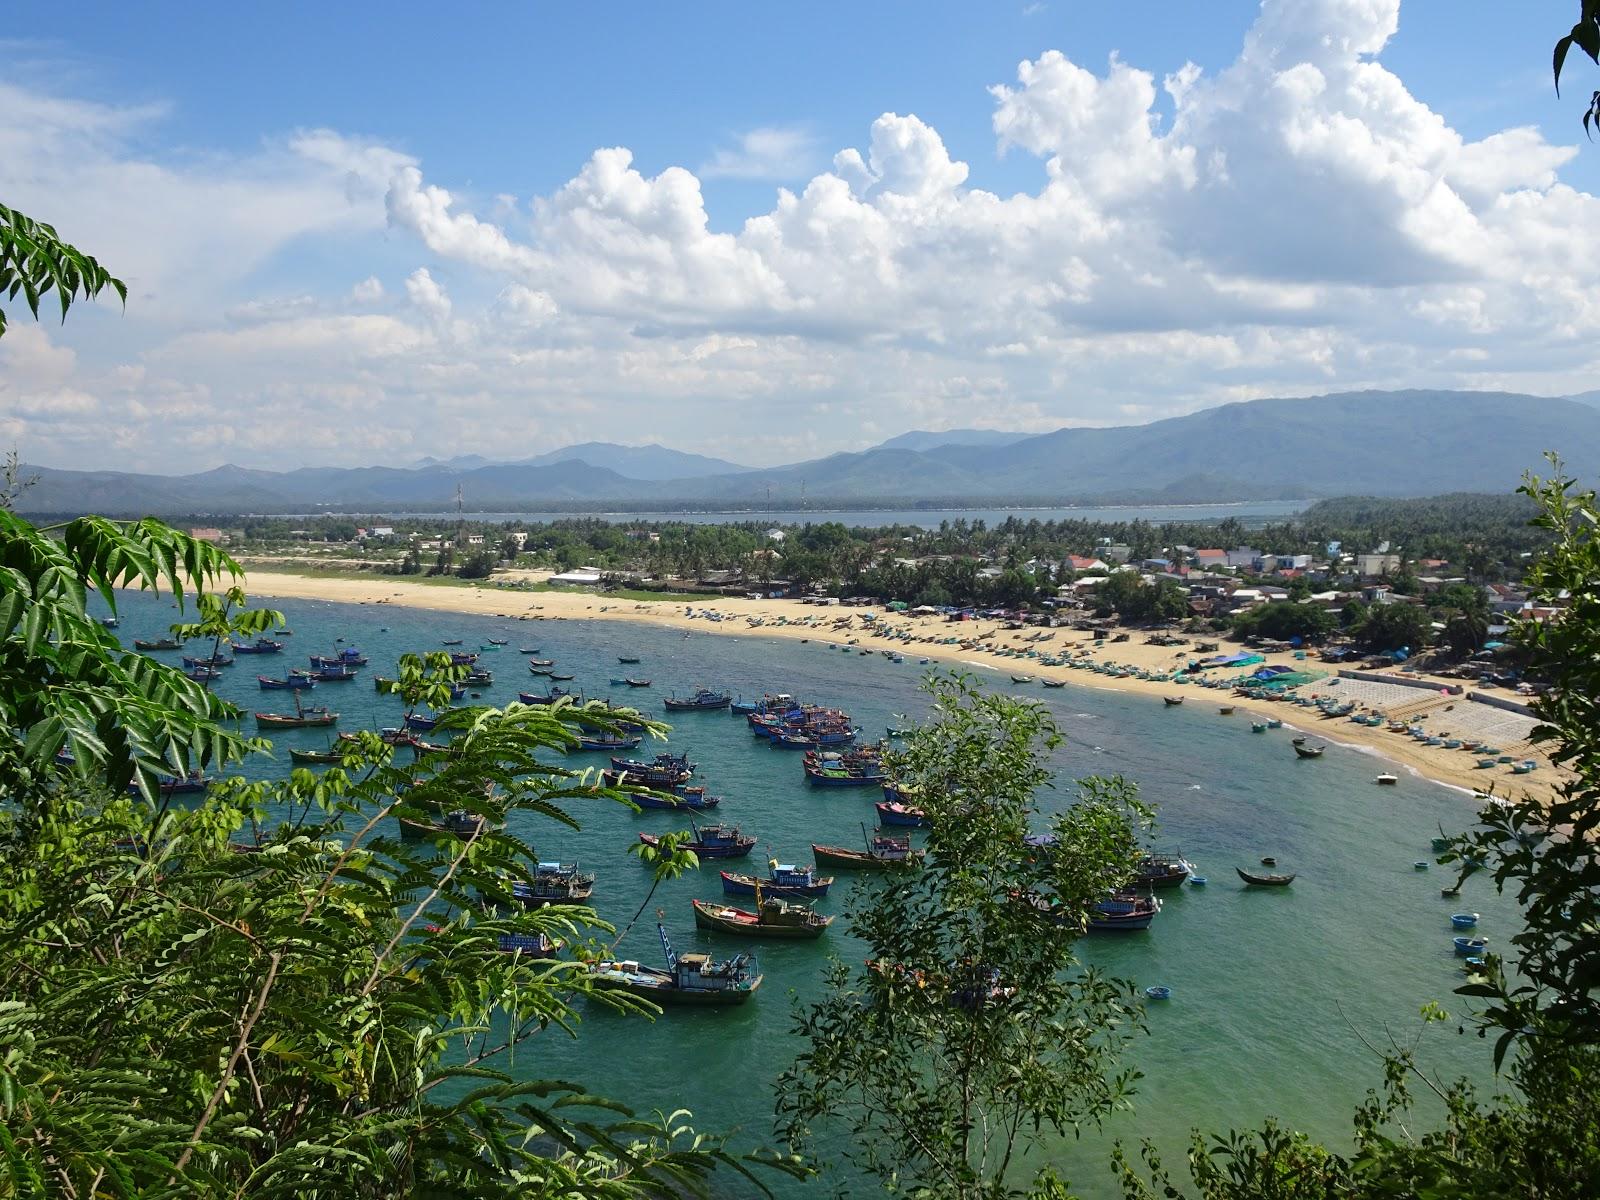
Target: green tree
{"type": "Point", "coordinates": [478, 566]}
{"type": "Point", "coordinates": [35, 262]}
{"type": "Point", "coordinates": [1396, 626]}
{"type": "Point", "coordinates": [1285, 619]}
{"type": "Point", "coordinates": [965, 1040]}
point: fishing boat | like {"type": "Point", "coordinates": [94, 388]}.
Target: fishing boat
{"type": "Point", "coordinates": [1463, 920]}
{"type": "Point", "coordinates": [711, 841]}
{"type": "Point", "coordinates": [704, 700]}
{"type": "Point", "coordinates": [1264, 880]}
{"type": "Point", "coordinates": [636, 683]}
{"type": "Point", "coordinates": [451, 642]}
{"type": "Point", "coordinates": [665, 770]}
{"type": "Point", "coordinates": [316, 757]}
{"type": "Point", "coordinates": [301, 718]}
{"type": "Point", "coordinates": [882, 853]}
{"type": "Point", "coordinates": [1162, 871]}
{"type": "Point", "coordinates": [479, 677]}
{"type": "Point", "coordinates": [262, 645]}
{"type": "Point", "coordinates": [1387, 780]}
{"type": "Point", "coordinates": [1258, 726]}
{"type": "Point", "coordinates": [689, 979]}
{"type": "Point", "coordinates": [553, 883]}
{"type": "Point", "coordinates": [681, 797]}
{"type": "Point", "coordinates": [626, 659]}
{"type": "Point", "coordinates": [211, 660]}
{"type": "Point", "coordinates": [550, 697]}
{"type": "Point", "coordinates": [498, 641]}
{"type": "Point", "coordinates": [775, 917]}
{"type": "Point", "coordinates": [348, 657]}
{"type": "Point", "coordinates": [528, 650]}
{"type": "Point", "coordinates": [554, 678]}
{"type": "Point", "coordinates": [174, 785]}
{"type": "Point", "coordinates": [1525, 767]}
{"type": "Point", "coordinates": [1123, 911]}
{"type": "Point", "coordinates": [1225, 710]}
{"type": "Point", "coordinates": [459, 822]}
{"type": "Point", "coordinates": [1054, 683]}
{"type": "Point", "coordinates": [541, 662]}
{"type": "Point", "coordinates": [892, 812]}
{"type": "Point", "coordinates": [1158, 992]}
{"type": "Point", "coordinates": [1172, 701]}
{"type": "Point", "coordinates": [202, 674]}
{"type": "Point", "coordinates": [783, 879]}
{"type": "Point", "coordinates": [326, 674]}
{"type": "Point", "coordinates": [1304, 751]}
{"type": "Point", "coordinates": [1469, 945]}
{"type": "Point", "coordinates": [1441, 844]}
{"type": "Point", "coordinates": [155, 644]}
{"type": "Point", "coordinates": [292, 683]}
{"type": "Point", "coordinates": [609, 741]}
{"type": "Point", "coordinates": [1022, 679]}
{"type": "Point", "coordinates": [422, 722]}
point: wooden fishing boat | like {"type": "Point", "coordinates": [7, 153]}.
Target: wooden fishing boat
{"type": "Point", "coordinates": [704, 700]}
{"type": "Point", "coordinates": [498, 641]}
{"type": "Point", "coordinates": [783, 879]}
{"type": "Point", "coordinates": [211, 660]}
{"type": "Point", "coordinates": [665, 771]}
{"type": "Point", "coordinates": [692, 799]}
{"type": "Point", "coordinates": [202, 674]}
{"type": "Point", "coordinates": [1387, 780]}
{"type": "Point", "coordinates": [348, 657]}
{"type": "Point", "coordinates": [1264, 880]}
{"type": "Point", "coordinates": [155, 644]}
{"type": "Point", "coordinates": [550, 697]}
{"type": "Point", "coordinates": [882, 853]}
{"type": "Point", "coordinates": [625, 659]}
{"type": "Point", "coordinates": [541, 662]}
{"type": "Point", "coordinates": [1162, 871]}
{"type": "Point", "coordinates": [1309, 751]}
{"type": "Point", "coordinates": [1123, 911]}
{"type": "Point", "coordinates": [775, 917]}
{"type": "Point", "coordinates": [689, 979]}
{"type": "Point", "coordinates": [609, 741]}
{"type": "Point", "coordinates": [1172, 701]}
{"type": "Point", "coordinates": [451, 642]}
{"type": "Point", "coordinates": [554, 678]}
{"type": "Point", "coordinates": [636, 683]}
{"type": "Point", "coordinates": [1225, 710]}
{"type": "Point", "coordinates": [528, 650]}
{"type": "Point", "coordinates": [316, 757]}
{"type": "Point", "coordinates": [303, 718]}
{"type": "Point", "coordinates": [459, 822]}
{"type": "Point", "coordinates": [893, 812]}
{"type": "Point", "coordinates": [292, 683]}
{"type": "Point", "coordinates": [711, 841]}
{"type": "Point", "coordinates": [1022, 679]}
{"type": "Point", "coordinates": [1055, 683]}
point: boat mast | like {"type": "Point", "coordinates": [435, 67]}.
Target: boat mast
{"type": "Point", "coordinates": [666, 948]}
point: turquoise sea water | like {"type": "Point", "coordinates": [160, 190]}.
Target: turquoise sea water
{"type": "Point", "coordinates": [1270, 987]}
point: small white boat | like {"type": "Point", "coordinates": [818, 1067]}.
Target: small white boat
{"type": "Point", "coordinates": [1387, 779]}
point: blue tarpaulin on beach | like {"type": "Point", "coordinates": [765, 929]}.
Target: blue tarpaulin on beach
{"type": "Point", "coordinates": [1232, 660]}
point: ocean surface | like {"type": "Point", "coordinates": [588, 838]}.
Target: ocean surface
{"type": "Point", "coordinates": [1251, 512]}
{"type": "Point", "coordinates": [1273, 990]}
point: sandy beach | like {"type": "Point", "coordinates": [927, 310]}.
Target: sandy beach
{"type": "Point", "coordinates": [979, 641]}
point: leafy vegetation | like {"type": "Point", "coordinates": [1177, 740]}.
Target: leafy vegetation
{"type": "Point", "coordinates": [972, 1033]}
{"type": "Point", "coordinates": [278, 990]}
{"type": "Point", "coordinates": [34, 262]}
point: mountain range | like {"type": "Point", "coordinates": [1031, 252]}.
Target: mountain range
{"type": "Point", "coordinates": [1408, 443]}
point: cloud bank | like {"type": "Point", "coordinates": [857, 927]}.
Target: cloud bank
{"type": "Point", "coordinates": [1296, 222]}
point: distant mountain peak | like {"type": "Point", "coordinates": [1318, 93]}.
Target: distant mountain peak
{"type": "Point", "coordinates": [920, 439]}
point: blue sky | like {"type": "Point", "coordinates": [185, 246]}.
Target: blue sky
{"type": "Point", "coordinates": [1341, 207]}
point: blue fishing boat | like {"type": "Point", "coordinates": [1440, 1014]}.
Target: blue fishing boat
{"type": "Point", "coordinates": [1157, 992]}
{"type": "Point", "coordinates": [1463, 920]}
{"type": "Point", "coordinates": [1466, 946]}
{"type": "Point", "coordinates": [691, 979]}
{"type": "Point", "coordinates": [692, 799]}
{"type": "Point", "coordinates": [421, 721]}
{"type": "Point", "coordinates": [553, 883]}
{"type": "Point", "coordinates": [783, 879]}
{"type": "Point", "coordinates": [665, 771]}
{"type": "Point", "coordinates": [711, 841]}
{"type": "Point", "coordinates": [349, 657]}
{"type": "Point", "coordinates": [293, 682]}
{"type": "Point", "coordinates": [549, 697]}
{"type": "Point", "coordinates": [892, 812]}
{"type": "Point", "coordinates": [261, 645]}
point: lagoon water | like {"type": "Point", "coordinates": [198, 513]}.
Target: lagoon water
{"type": "Point", "coordinates": [1270, 987]}
{"type": "Point", "coordinates": [1250, 512]}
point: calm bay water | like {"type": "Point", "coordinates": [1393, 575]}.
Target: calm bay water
{"type": "Point", "coordinates": [1251, 512]}
{"type": "Point", "coordinates": [1270, 987]}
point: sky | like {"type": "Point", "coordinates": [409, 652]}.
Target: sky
{"type": "Point", "coordinates": [363, 234]}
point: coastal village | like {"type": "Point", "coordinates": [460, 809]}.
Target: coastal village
{"type": "Point", "coordinates": [1438, 699]}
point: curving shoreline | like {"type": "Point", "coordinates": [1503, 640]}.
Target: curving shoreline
{"type": "Point", "coordinates": [1452, 768]}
